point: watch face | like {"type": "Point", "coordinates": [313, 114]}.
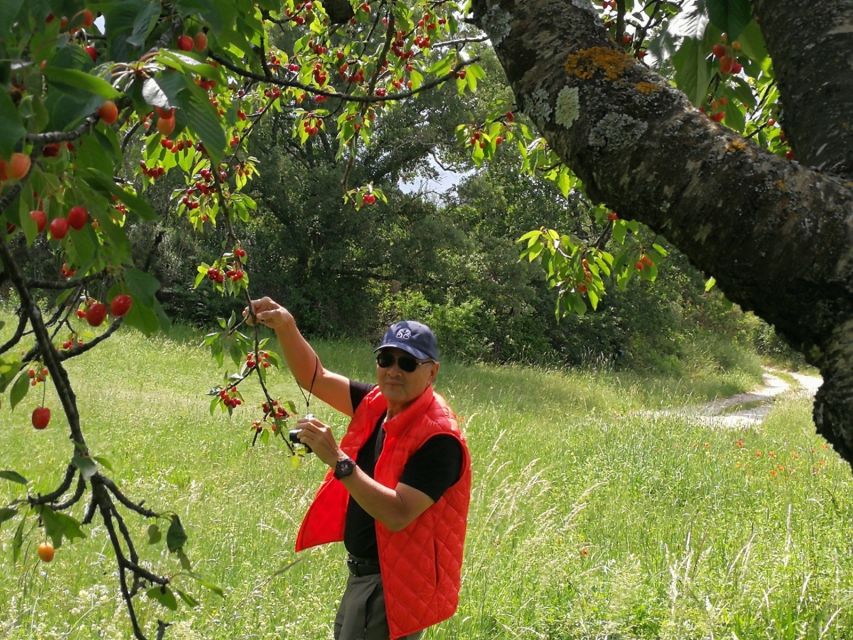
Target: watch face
{"type": "Point", "coordinates": [344, 467]}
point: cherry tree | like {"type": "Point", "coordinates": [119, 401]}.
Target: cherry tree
{"type": "Point", "coordinates": [103, 101]}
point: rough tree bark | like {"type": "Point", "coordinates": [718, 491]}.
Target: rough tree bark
{"type": "Point", "coordinates": [775, 234]}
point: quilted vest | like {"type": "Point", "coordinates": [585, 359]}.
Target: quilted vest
{"type": "Point", "coordinates": [420, 565]}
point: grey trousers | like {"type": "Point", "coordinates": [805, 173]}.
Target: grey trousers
{"type": "Point", "coordinates": [361, 614]}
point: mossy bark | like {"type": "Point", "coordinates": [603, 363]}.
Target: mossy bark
{"type": "Point", "coordinates": [775, 234]}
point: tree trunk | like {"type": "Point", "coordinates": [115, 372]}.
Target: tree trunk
{"type": "Point", "coordinates": [775, 234]}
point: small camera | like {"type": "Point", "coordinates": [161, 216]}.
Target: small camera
{"type": "Point", "coordinates": [293, 434]}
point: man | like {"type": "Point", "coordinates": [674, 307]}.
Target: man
{"type": "Point", "coordinates": [399, 482]}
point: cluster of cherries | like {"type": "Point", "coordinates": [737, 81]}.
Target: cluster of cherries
{"type": "Point", "coordinates": [251, 363]}
{"type": "Point", "coordinates": [230, 399]}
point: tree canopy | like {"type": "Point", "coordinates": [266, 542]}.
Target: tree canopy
{"type": "Point", "coordinates": [729, 140]}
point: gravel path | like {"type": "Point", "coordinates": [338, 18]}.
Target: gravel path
{"type": "Point", "coordinates": [747, 409]}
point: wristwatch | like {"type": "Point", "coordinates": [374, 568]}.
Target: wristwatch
{"type": "Point", "coordinates": [344, 468]}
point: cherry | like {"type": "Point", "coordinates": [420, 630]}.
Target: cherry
{"type": "Point", "coordinates": [185, 43]}
{"type": "Point", "coordinates": [96, 313]}
{"type": "Point", "coordinates": [165, 125]}
{"type": "Point", "coordinates": [41, 417]}
{"type": "Point", "coordinates": [40, 218]}
{"type": "Point", "coordinates": [719, 50]}
{"type": "Point", "coordinates": [58, 228]}
{"type": "Point", "coordinates": [108, 112]}
{"type": "Point", "coordinates": [45, 551]}
{"type": "Point", "coordinates": [727, 64]}
{"type": "Point", "coordinates": [93, 53]}
{"type": "Point", "coordinates": [77, 217]}
{"type": "Point", "coordinates": [19, 166]}
{"type": "Point", "coordinates": [120, 305]}
{"type": "Point", "coordinates": [200, 41]}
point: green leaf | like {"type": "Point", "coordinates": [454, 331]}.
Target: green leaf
{"type": "Point", "coordinates": [208, 585]}
{"type": "Point", "coordinates": [752, 43]}
{"type": "Point", "coordinates": [80, 80]}
{"type": "Point", "coordinates": [730, 16]}
{"type": "Point", "coordinates": [11, 127]}
{"type": "Point", "coordinates": [18, 540]}
{"type": "Point", "coordinates": [692, 69]}
{"type": "Point", "coordinates": [203, 119]}
{"type": "Point", "coordinates": [187, 598]}
{"type": "Point", "coordinates": [7, 513]}
{"type": "Point", "coordinates": [58, 525]}
{"type": "Point", "coordinates": [13, 476]}
{"type": "Point", "coordinates": [154, 534]}
{"type": "Point", "coordinates": [8, 12]}
{"type": "Point", "coordinates": [19, 390]}
{"type": "Point", "coordinates": [709, 283]}
{"type": "Point", "coordinates": [104, 462]}
{"type": "Point", "coordinates": [9, 368]}
{"type": "Point", "coordinates": [164, 596]}
{"type": "Point", "coordinates": [176, 536]}
{"type": "Point", "coordinates": [144, 23]}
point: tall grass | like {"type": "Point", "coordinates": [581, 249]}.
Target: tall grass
{"type": "Point", "coordinates": [589, 519]}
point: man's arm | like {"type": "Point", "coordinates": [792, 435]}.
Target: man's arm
{"type": "Point", "coordinates": [395, 508]}
{"type": "Point", "coordinates": [330, 387]}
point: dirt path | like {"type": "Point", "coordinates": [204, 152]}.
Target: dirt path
{"type": "Point", "coordinates": [748, 409]}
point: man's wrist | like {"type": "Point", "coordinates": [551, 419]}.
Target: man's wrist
{"type": "Point", "coordinates": [344, 467]}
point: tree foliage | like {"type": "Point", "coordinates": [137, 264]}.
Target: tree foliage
{"type": "Point", "coordinates": [121, 118]}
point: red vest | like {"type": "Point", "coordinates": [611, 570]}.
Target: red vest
{"type": "Point", "coordinates": [421, 565]}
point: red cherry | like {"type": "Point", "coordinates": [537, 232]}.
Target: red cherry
{"type": "Point", "coordinates": [41, 417]}
{"type": "Point", "coordinates": [120, 305]}
{"type": "Point", "coordinates": [88, 18]}
{"type": "Point", "coordinates": [19, 166]}
{"type": "Point", "coordinates": [93, 53]}
{"type": "Point", "coordinates": [719, 50]}
{"type": "Point", "coordinates": [58, 228]}
{"type": "Point", "coordinates": [96, 314]}
{"type": "Point", "coordinates": [39, 218]}
{"type": "Point", "coordinates": [185, 43]}
{"type": "Point", "coordinates": [727, 63]}
{"type": "Point", "coordinates": [108, 112]}
{"type": "Point", "coordinates": [77, 217]}
{"type": "Point", "coordinates": [200, 41]}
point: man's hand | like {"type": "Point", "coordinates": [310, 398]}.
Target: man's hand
{"type": "Point", "coordinates": [267, 312]}
{"type": "Point", "coordinates": [319, 437]}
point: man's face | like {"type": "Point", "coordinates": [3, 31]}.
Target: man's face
{"type": "Point", "coordinates": [400, 387]}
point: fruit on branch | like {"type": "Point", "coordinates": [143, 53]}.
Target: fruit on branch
{"type": "Point", "coordinates": [185, 43]}
{"type": "Point", "coordinates": [165, 125]}
{"type": "Point", "coordinates": [58, 228]}
{"type": "Point", "coordinates": [96, 313]}
{"type": "Point", "coordinates": [200, 41]}
{"type": "Point", "coordinates": [40, 218]}
{"type": "Point", "coordinates": [45, 551]}
{"type": "Point", "coordinates": [108, 112]}
{"type": "Point", "coordinates": [88, 18]}
{"type": "Point", "coordinates": [77, 217]}
{"type": "Point", "coordinates": [120, 305]}
{"type": "Point", "coordinates": [19, 166]}
{"type": "Point", "coordinates": [93, 53]}
{"type": "Point", "coordinates": [40, 417]}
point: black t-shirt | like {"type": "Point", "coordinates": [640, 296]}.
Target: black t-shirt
{"type": "Point", "coordinates": [432, 469]}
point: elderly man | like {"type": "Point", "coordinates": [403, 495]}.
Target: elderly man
{"type": "Point", "coordinates": [399, 482]}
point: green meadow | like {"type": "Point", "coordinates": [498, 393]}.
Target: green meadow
{"type": "Point", "coordinates": [592, 517]}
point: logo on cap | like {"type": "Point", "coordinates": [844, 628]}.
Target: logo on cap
{"type": "Point", "coordinates": [404, 334]}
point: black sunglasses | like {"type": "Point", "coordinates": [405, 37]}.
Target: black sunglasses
{"type": "Point", "coordinates": [406, 362]}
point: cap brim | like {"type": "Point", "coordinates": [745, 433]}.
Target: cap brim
{"type": "Point", "coordinates": [420, 355]}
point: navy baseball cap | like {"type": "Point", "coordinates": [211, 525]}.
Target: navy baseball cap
{"type": "Point", "coordinates": [413, 337]}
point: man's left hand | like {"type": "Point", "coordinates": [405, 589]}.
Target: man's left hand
{"type": "Point", "coordinates": [319, 437]}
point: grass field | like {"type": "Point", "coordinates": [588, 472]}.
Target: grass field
{"type": "Point", "coordinates": [589, 518]}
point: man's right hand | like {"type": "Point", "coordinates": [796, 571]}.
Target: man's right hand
{"type": "Point", "coordinates": [267, 312]}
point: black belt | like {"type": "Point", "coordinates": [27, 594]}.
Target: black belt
{"type": "Point", "coordinates": [362, 566]}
